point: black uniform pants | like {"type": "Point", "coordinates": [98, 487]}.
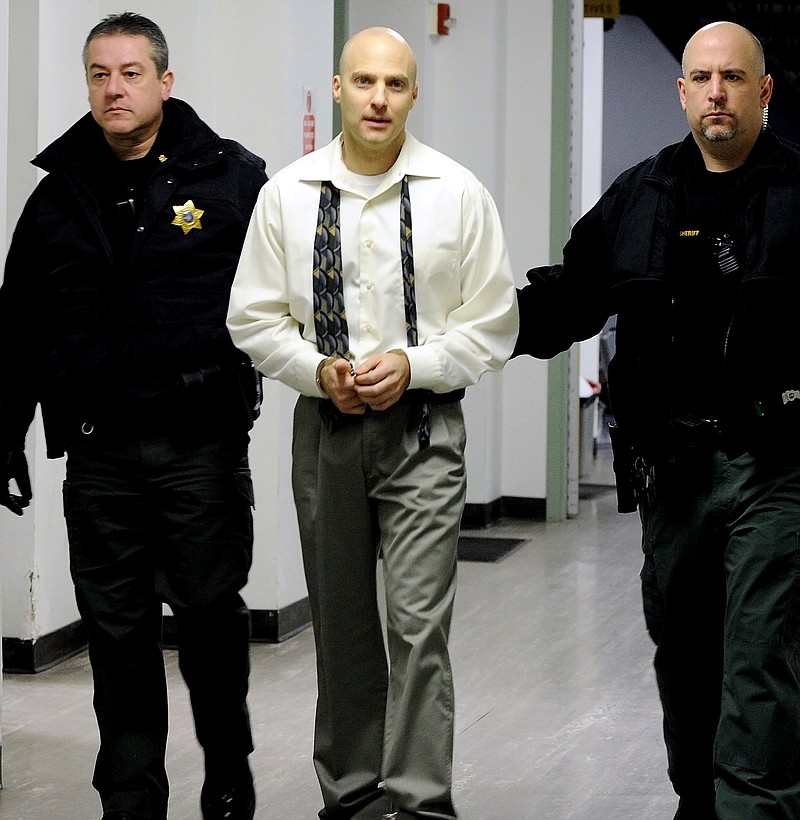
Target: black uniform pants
{"type": "Point", "coordinates": [151, 521]}
{"type": "Point", "coordinates": [721, 588]}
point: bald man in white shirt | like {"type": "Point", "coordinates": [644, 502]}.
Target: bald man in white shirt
{"type": "Point", "coordinates": [379, 324]}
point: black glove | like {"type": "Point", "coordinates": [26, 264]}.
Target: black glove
{"type": "Point", "coordinates": [14, 467]}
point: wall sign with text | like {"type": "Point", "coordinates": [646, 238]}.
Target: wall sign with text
{"type": "Point", "coordinates": [601, 8]}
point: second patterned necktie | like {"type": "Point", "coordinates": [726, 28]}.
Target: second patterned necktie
{"type": "Point", "coordinates": [407, 261]}
{"type": "Point", "coordinates": [410, 302]}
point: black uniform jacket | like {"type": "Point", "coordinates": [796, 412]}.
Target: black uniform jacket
{"type": "Point", "coordinates": [617, 261]}
{"type": "Point", "coordinates": [97, 340]}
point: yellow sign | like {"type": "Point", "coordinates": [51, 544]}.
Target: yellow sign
{"type": "Point", "coordinates": [601, 8]}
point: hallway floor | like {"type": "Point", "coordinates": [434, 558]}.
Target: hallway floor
{"type": "Point", "coordinates": [557, 713]}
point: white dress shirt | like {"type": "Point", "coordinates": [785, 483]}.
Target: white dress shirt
{"type": "Point", "coordinates": [467, 317]}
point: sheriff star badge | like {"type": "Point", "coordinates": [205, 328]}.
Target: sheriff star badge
{"type": "Point", "coordinates": [187, 216]}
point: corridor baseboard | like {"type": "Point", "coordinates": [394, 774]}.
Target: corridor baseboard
{"type": "Point", "coordinates": [27, 656]}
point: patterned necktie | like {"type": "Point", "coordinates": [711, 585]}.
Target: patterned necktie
{"type": "Point", "coordinates": [410, 301]}
{"type": "Point", "coordinates": [407, 260]}
{"type": "Point", "coordinates": [330, 318]}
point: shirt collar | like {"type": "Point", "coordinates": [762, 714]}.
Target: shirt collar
{"type": "Point", "coordinates": [414, 160]}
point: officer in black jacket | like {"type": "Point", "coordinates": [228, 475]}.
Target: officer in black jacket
{"type": "Point", "coordinates": [112, 319]}
{"type": "Point", "coordinates": [696, 252]}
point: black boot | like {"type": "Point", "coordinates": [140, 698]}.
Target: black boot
{"type": "Point", "coordinates": [228, 794]}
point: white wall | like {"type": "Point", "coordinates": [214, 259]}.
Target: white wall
{"type": "Point", "coordinates": [592, 152]}
{"type": "Point", "coordinates": [3, 118]}
{"type": "Point", "coordinates": [526, 150]}
{"type": "Point", "coordinates": [590, 189]}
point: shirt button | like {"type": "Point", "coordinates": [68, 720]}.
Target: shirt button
{"type": "Point", "coordinates": [368, 328]}
{"type": "Point", "coordinates": [368, 243]}
{"type": "Point", "coordinates": [369, 285]}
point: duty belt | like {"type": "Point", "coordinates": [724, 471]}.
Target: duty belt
{"type": "Point", "coordinates": [711, 433]}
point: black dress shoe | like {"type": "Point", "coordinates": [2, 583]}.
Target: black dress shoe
{"type": "Point", "coordinates": [228, 800]}
{"type": "Point", "coordinates": [121, 815]}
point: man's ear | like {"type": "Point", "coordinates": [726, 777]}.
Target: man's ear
{"type": "Point", "coordinates": [167, 79]}
{"type": "Point", "coordinates": [682, 92]}
{"type": "Point", "coordinates": [766, 90]}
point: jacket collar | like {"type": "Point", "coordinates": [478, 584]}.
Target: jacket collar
{"type": "Point", "coordinates": [183, 138]}
{"type": "Point", "coordinates": [770, 153]}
